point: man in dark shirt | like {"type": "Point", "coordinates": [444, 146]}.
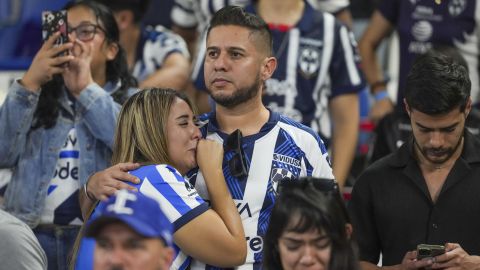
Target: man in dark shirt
{"type": "Point", "coordinates": [427, 192]}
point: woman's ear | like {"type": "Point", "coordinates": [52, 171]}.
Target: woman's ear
{"type": "Point", "coordinates": [112, 50]}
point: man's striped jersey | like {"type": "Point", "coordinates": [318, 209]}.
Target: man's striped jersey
{"type": "Point", "coordinates": [282, 148]}
{"type": "Point", "coordinates": [155, 46]}
{"type": "Point", "coordinates": [178, 199]}
{"type": "Point", "coordinates": [197, 13]}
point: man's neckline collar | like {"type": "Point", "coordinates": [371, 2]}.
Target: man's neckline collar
{"type": "Point", "coordinates": [306, 20]}
{"type": "Point", "coordinates": [212, 126]}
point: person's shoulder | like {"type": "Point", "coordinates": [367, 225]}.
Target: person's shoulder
{"type": "Point", "coordinates": [8, 220]}
{"type": "Point", "coordinates": [378, 170]}
{"type": "Point", "coordinates": [332, 6]}
{"type": "Point", "coordinates": [295, 128]}
{"type": "Point", "coordinates": [159, 32]}
{"type": "Point", "coordinates": [157, 173]}
{"type": "Point", "coordinates": [285, 121]}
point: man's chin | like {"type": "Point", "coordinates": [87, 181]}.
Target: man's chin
{"type": "Point", "coordinates": [438, 160]}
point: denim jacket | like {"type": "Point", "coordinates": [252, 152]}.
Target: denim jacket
{"type": "Point", "coordinates": [33, 153]}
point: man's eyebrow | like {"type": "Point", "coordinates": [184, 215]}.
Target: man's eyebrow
{"type": "Point", "coordinates": [447, 127]}
{"type": "Point", "coordinates": [231, 48]}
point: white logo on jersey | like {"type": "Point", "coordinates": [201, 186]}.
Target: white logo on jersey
{"type": "Point", "coordinates": [291, 113]}
{"type": "Point", "coordinates": [309, 61]}
{"type": "Point", "coordinates": [455, 7]}
{"type": "Point", "coordinates": [278, 88]}
{"type": "Point", "coordinates": [119, 207]}
{"type": "Point", "coordinates": [255, 243]}
{"type": "Point", "coordinates": [287, 160]}
{"type": "Point", "coordinates": [422, 30]}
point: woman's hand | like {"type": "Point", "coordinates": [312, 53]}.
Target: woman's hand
{"type": "Point", "coordinates": [46, 63]}
{"type": "Point", "coordinates": [209, 156]}
{"type": "Point", "coordinates": [105, 183]}
{"type": "Point", "coordinates": [77, 76]}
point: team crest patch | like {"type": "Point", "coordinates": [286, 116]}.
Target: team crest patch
{"type": "Point", "coordinates": [455, 7]}
{"type": "Point", "coordinates": [190, 189]}
{"type": "Point", "coordinates": [277, 175]}
{"type": "Point", "coordinates": [188, 186]}
{"type": "Point", "coordinates": [308, 61]}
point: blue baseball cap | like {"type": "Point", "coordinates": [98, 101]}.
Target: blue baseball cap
{"type": "Point", "coordinates": [139, 212]}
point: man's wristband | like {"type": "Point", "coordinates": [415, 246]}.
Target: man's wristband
{"type": "Point", "coordinates": [380, 95]}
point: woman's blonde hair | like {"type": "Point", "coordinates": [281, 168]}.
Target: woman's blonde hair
{"type": "Point", "coordinates": [141, 132]}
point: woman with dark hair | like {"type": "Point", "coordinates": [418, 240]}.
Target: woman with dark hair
{"type": "Point", "coordinates": [309, 228]}
{"type": "Point", "coordinates": [58, 123]}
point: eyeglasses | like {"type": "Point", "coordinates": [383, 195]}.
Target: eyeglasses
{"type": "Point", "coordinates": [85, 32]}
{"type": "Point", "coordinates": [237, 164]}
{"type": "Point", "coordinates": [320, 184]}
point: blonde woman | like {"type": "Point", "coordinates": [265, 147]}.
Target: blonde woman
{"type": "Point", "coordinates": [157, 128]}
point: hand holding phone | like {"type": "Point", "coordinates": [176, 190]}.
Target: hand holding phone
{"type": "Point", "coordinates": [429, 251]}
{"type": "Point", "coordinates": [53, 56]}
{"type": "Point", "coordinates": [52, 22]}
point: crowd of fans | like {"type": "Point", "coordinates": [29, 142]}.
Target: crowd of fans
{"type": "Point", "coordinates": [229, 138]}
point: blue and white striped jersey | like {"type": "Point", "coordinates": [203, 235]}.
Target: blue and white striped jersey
{"type": "Point", "coordinates": [317, 61]}
{"type": "Point", "coordinates": [197, 13]}
{"type": "Point", "coordinates": [178, 199]}
{"type": "Point", "coordinates": [282, 148]}
{"type": "Point", "coordinates": [155, 45]}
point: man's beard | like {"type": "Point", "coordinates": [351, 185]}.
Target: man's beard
{"type": "Point", "coordinates": [240, 96]}
{"type": "Point", "coordinates": [426, 152]}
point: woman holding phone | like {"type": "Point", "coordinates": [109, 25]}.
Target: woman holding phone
{"type": "Point", "coordinates": [57, 125]}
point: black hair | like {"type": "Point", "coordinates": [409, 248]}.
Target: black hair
{"type": "Point", "coordinates": [310, 208]}
{"type": "Point", "coordinates": [438, 82]}
{"type": "Point", "coordinates": [137, 7]}
{"type": "Point", "coordinates": [235, 15]}
{"type": "Point", "coordinates": [48, 106]}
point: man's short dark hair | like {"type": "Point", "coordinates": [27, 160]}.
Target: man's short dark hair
{"type": "Point", "coordinates": [438, 83]}
{"type": "Point", "coordinates": [234, 15]}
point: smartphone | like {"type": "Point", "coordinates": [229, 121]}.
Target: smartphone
{"type": "Point", "coordinates": [52, 22]}
{"type": "Point", "coordinates": [429, 251]}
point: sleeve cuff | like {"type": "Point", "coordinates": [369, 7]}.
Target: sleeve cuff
{"type": "Point", "coordinates": [177, 224]}
{"type": "Point", "coordinates": [21, 93]}
{"type": "Point", "coordinates": [92, 92]}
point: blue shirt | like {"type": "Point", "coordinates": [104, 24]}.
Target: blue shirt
{"type": "Point", "coordinates": [422, 24]}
